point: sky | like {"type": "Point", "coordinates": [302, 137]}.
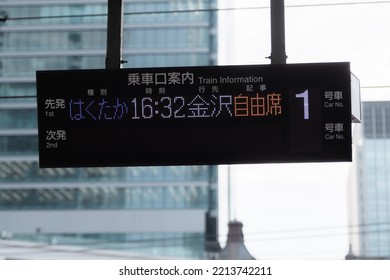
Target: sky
{"type": "Point", "coordinates": [299, 211]}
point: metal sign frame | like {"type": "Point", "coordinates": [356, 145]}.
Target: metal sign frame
{"type": "Point", "coordinates": [195, 115]}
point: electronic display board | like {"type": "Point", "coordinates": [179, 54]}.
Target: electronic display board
{"type": "Point", "coordinates": [195, 115]}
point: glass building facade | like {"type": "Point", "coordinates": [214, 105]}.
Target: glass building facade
{"type": "Point", "coordinates": [369, 191]}
{"type": "Point", "coordinates": [36, 203]}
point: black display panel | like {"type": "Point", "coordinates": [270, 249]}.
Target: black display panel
{"type": "Point", "coordinates": [195, 115]}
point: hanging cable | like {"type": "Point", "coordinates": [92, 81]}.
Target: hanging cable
{"type": "Point", "coordinates": [5, 18]}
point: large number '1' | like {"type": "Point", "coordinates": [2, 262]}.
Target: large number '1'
{"type": "Point", "coordinates": [305, 96]}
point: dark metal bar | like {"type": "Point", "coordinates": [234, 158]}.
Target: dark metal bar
{"type": "Point", "coordinates": [114, 34]}
{"type": "Point", "coordinates": [278, 45]}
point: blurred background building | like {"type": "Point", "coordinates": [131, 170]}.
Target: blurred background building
{"type": "Point", "coordinates": [369, 186]}
{"type": "Point", "coordinates": [160, 211]}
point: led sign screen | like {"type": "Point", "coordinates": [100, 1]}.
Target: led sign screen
{"type": "Point", "coordinates": [194, 115]}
